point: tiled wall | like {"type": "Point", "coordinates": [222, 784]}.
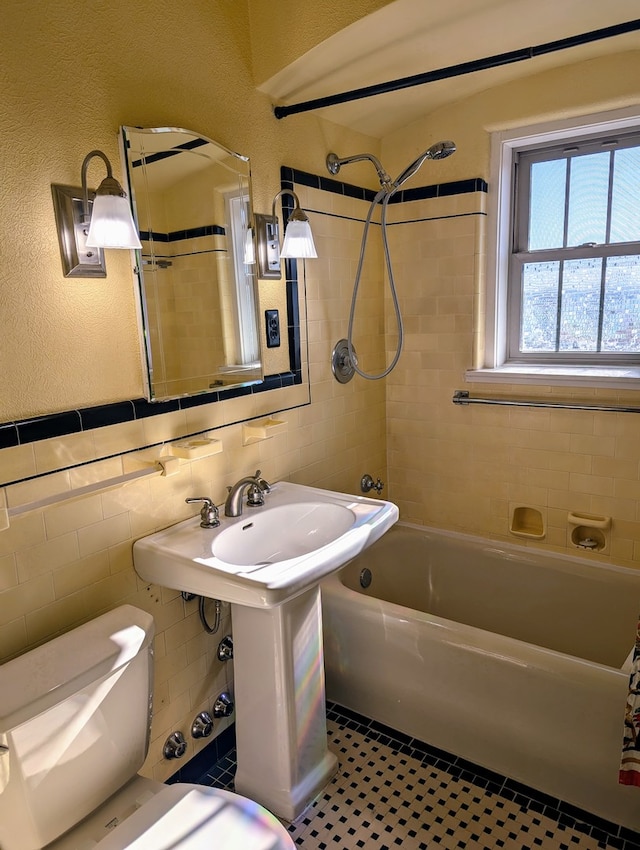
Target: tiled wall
{"type": "Point", "coordinates": [65, 563]}
{"type": "Point", "coordinates": [467, 468]}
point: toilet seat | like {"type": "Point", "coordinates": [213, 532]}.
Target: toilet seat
{"type": "Point", "coordinates": [196, 817]}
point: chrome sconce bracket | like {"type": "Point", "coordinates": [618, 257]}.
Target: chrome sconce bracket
{"type": "Point", "coordinates": [77, 259]}
{"type": "Point", "coordinates": [268, 246]}
{"type": "Point", "coordinates": [298, 238]}
{"type": "Point", "coordinates": [108, 223]}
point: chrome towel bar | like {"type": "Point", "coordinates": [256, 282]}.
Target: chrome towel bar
{"type": "Point", "coordinates": [463, 397]}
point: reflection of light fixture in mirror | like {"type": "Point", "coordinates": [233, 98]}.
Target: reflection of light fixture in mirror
{"type": "Point", "coordinates": [298, 238]}
{"type": "Point", "coordinates": [249, 248]}
{"type": "Point", "coordinates": [83, 230]}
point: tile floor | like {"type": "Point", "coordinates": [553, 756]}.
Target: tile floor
{"type": "Point", "coordinates": [394, 791]}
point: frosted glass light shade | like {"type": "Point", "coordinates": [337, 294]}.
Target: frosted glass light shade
{"type": "Point", "coordinates": [112, 223]}
{"type": "Point", "coordinates": [298, 241]}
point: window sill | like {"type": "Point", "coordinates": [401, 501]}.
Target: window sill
{"type": "Point", "coordinates": [620, 377]}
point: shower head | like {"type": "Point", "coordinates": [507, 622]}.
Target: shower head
{"type": "Point", "coordinates": [440, 150]}
{"type": "Point", "coordinates": [334, 163]}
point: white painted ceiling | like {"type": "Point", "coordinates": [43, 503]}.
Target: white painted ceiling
{"type": "Point", "coordinates": [411, 37]}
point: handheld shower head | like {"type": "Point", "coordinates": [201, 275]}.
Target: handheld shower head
{"type": "Point", "coordinates": [440, 150]}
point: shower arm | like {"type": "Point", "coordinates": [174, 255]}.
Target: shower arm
{"type": "Point", "coordinates": [334, 163]}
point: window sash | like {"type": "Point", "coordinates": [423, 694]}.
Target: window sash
{"type": "Point", "coordinates": [521, 255]}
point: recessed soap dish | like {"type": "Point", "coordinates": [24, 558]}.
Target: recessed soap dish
{"type": "Point", "coordinates": [196, 447]}
{"type": "Point", "coordinates": [262, 429]}
{"type": "Point", "coordinates": [527, 522]}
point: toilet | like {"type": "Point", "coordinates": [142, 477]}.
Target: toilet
{"type": "Point", "coordinates": [75, 718]}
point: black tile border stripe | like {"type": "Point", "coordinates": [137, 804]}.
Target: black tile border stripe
{"type": "Point", "coordinates": [179, 235]}
{"type": "Point", "coordinates": [338, 187]}
{"type": "Point", "coordinates": [21, 432]}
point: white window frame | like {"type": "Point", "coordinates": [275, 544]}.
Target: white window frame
{"type": "Point", "coordinates": [493, 364]}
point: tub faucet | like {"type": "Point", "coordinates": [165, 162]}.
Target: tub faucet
{"type": "Point", "coordinates": [256, 488]}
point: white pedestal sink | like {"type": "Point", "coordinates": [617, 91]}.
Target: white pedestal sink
{"type": "Point", "coordinates": [268, 563]}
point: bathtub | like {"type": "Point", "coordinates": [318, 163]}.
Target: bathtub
{"type": "Point", "coordinates": [512, 658]}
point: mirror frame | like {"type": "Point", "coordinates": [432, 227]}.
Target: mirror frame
{"type": "Point", "coordinates": [146, 326]}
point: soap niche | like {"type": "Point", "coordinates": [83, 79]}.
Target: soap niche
{"type": "Point", "coordinates": [527, 522]}
{"type": "Point", "coordinates": [590, 532]}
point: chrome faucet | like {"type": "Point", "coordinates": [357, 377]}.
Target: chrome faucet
{"type": "Point", "coordinates": [209, 517]}
{"type": "Point", "coordinates": [256, 488]}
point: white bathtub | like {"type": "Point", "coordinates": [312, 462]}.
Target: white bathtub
{"type": "Point", "coordinates": [506, 656]}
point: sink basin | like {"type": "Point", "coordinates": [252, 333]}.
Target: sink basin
{"type": "Point", "coordinates": [270, 553]}
{"type": "Point", "coordinates": [281, 533]}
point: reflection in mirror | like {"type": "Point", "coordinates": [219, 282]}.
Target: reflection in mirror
{"type": "Point", "coordinates": [191, 199]}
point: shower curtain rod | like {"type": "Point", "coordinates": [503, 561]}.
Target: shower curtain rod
{"type": "Point", "coordinates": [459, 70]}
{"type": "Point", "coordinates": [462, 397]}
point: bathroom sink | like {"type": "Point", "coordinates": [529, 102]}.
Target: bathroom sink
{"type": "Point", "coordinates": [281, 533]}
{"type": "Point", "coordinates": [268, 554]}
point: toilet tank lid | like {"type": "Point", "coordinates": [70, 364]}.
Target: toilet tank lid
{"type": "Point", "coordinates": [33, 682]}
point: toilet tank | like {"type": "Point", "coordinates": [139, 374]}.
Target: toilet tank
{"type": "Point", "coordinates": [75, 718]}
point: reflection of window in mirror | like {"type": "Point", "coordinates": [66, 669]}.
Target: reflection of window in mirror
{"type": "Point", "coordinates": [244, 302]}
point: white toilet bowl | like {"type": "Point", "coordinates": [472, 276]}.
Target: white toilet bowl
{"type": "Point", "coordinates": [178, 817]}
{"type": "Point", "coordinates": [75, 718]}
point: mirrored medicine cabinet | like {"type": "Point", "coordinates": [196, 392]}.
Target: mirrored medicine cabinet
{"type": "Point", "coordinates": [191, 199]}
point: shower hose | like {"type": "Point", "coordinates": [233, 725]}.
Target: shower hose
{"type": "Point", "coordinates": [383, 195]}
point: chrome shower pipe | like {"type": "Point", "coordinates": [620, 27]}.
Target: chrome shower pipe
{"type": "Point", "coordinates": [334, 163]}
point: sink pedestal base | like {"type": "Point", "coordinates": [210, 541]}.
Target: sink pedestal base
{"type": "Point", "coordinates": [283, 759]}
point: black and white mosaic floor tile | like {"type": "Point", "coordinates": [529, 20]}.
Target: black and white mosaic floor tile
{"type": "Point", "coordinates": [393, 791]}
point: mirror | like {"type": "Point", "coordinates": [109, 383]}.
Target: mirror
{"type": "Point", "coordinates": [191, 199]}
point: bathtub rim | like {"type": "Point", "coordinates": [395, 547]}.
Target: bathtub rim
{"type": "Point", "coordinates": [459, 632]}
{"type": "Point", "coordinates": [580, 557]}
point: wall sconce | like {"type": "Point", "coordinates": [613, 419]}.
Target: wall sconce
{"type": "Point", "coordinates": [87, 222]}
{"type": "Point", "coordinates": [298, 238]}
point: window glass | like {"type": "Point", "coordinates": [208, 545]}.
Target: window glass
{"type": "Point", "coordinates": [540, 287]}
{"type": "Point", "coordinates": [625, 204]}
{"type": "Point", "coordinates": [588, 199]}
{"type": "Point", "coordinates": [546, 218]}
{"type": "Point", "coordinates": [621, 322]}
{"type": "Point", "coordinates": [580, 305]}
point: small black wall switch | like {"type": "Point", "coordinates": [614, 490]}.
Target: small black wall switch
{"type": "Point", "coordinates": [272, 320]}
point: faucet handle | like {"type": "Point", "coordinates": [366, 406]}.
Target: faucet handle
{"type": "Point", "coordinates": [255, 496]}
{"type": "Point", "coordinates": [209, 517]}
{"type": "Point", "coordinates": [262, 484]}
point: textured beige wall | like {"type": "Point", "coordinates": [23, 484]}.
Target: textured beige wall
{"type": "Point", "coordinates": [66, 86]}
{"type": "Point", "coordinates": [282, 32]}
{"type": "Point", "coordinates": [598, 85]}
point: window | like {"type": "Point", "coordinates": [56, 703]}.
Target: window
{"type": "Point", "coordinates": [574, 277]}
{"type": "Point", "coordinates": [567, 253]}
